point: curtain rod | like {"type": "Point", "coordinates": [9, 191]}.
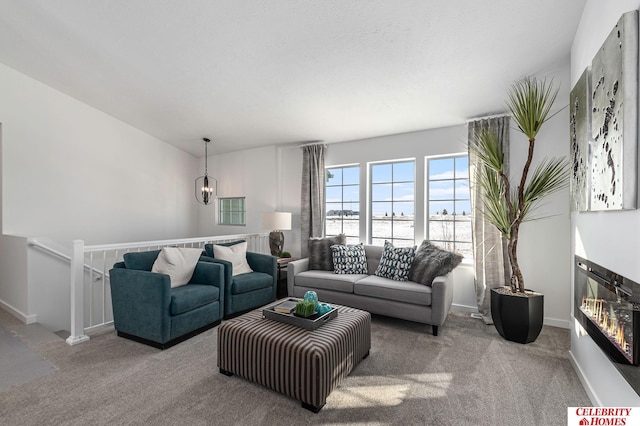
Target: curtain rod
{"type": "Point", "coordinates": [313, 143]}
{"type": "Point", "coordinates": [486, 117]}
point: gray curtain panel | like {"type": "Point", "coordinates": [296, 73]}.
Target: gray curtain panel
{"type": "Point", "coordinates": [489, 247]}
{"type": "Point", "coordinates": [312, 197]}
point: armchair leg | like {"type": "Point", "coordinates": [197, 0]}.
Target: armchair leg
{"type": "Point", "coordinates": [435, 330]}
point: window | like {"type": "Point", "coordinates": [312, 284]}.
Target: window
{"type": "Point", "coordinates": [392, 203]}
{"type": "Point", "coordinates": [342, 193]}
{"type": "Point", "coordinates": [232, 211]}
{"type": "Point", "coordinates": [449, 203]}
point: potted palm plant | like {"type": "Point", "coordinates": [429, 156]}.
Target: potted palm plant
{"type": "Point", "coordinates": [517, 312]}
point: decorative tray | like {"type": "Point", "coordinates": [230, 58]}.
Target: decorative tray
{"type": "Point", "coordinates": [310, 323]}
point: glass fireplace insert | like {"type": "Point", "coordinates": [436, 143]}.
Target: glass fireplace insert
{"type": "Point", "coordinates": [608, 307]}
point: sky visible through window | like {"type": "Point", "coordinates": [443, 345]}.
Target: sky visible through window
{"type": "Point", "coordinates": [393, 188]}
{"type": "Point", "coordinates": [392, 203]}
{"type": "Point", "coordinates": [449, 204]}
{"type": "Point", "coordinates": [342, 194]}
{"type": "Point", "coordinates": [449, 185]}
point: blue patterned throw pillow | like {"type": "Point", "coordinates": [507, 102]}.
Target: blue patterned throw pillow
{"type": "Point", "coordinates": [349, 259]}
{"type": "Point", "coordinates": [396, 262]}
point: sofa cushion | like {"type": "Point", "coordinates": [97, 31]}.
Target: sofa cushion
{"type": "Point", "coordinates": [236, 254]}
{"type": "Point", "coordinates": [177, 262]}
{"type": "Point", "coordinates": [249, 282]}
{"type": "Point", "coordinates": [399, 291]}
{"type": "Point", "coordinates": [327, 280]}
{"type": "Point", "coordinates": [188, 297]}
{"type": "Point", "coordinates": [395, 262]}
{"type": "Point", "coordinates": [431, 261]}
{"type": "Point", "coordinates": [141, 261]}
{"type": "Point", "coordinates": [349, 259]}
{"type": "Point", "coordinates": [208, 248]}
{"type": "Point", "coordinates": [374, 254]}
{"type": "Point", "coordinates": [320, 257]}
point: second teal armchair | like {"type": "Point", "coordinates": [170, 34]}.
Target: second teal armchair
{"type": "Point", "coordinates": [245, 292]}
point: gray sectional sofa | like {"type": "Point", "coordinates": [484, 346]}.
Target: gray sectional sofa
{"type": "Point", "coordinates": [405, 300]}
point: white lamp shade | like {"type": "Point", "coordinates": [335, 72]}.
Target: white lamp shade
{"type": "Point", "coordinates": [280, 221]}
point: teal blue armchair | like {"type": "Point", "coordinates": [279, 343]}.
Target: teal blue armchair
{"type": "Point", "coordinates": [246, 291]}
{"type": "Point", "coordinates": [146, 309]}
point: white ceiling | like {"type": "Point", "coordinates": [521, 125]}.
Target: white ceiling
{"type": "Point", "coordinates": [248, 73]}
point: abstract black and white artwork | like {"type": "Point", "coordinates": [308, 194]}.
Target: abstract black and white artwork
{"type": "Point", "coordinates": [580, 133]}
{"type": "Point", "coordinates": [614, 120]}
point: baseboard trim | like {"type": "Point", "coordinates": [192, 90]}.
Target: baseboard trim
{"type": "Point", "coordinates": [26, 319]}
{"type": "Point", "coordinates": [464, 308]}
{"type": "Point", "coordinates": [585, 382]}
{"type": "Point", "coordinates": [554, 322]}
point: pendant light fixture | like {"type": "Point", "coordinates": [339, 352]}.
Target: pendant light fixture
{"type": "Point", "coordinates": [206, 187]}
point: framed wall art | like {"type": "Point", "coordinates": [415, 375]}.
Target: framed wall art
{"type": "Point", "coordinates": [580, 134]}
{"type": "Point", "coordinates": [614, 119]}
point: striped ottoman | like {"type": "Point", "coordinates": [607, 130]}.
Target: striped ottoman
{"type": "Point", "coordinates": [303, 364]}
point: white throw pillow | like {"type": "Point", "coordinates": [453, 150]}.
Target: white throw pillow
{"type": "Point", "coordinates": [236, 254]}
{"type": "Point", "coordinates": [177, 262]}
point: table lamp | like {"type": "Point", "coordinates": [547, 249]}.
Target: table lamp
{"type": "Point", "coordinates": [277, 222]}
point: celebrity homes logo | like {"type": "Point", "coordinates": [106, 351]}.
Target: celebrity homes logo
{"type": "Point", "coordinates": [603, 416]}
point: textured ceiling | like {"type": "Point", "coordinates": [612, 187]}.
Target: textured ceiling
{"type": "Point", "coordinates": [260, 72]}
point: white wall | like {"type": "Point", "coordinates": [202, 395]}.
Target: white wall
{"type": "Point", "coordinates": [69, 171]}
{"type": "Point", "coordinates": [14, 294]}
{"type": "Point", "coordinates": [48, 279]}
{"type": "Point", "coordinates": [73, 172]}
{"type": "Point", "coordinates": [250, 173]}
{"type": "Point", "coordinates": [611, 239]}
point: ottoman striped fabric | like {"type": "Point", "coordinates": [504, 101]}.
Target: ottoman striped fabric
{"type": "Point", "coordinates": [303, 364]}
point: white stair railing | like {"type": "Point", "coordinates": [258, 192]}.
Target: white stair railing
{"type": "Point", "coordinates": [90, 284]}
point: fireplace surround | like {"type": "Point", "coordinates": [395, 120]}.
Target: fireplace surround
{"type": "Point", "coordinates": [608, 307]}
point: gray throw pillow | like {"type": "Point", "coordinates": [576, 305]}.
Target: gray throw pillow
{"type": "Point", "coordinates": [430, 262]}
{"type": "Point", "coordinates": [320, 257]}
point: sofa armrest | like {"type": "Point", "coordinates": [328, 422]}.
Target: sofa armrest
{"type": "Point", "coordinates": [294, 268]}
{"type": "Point", "coordinates": [140, 301]}
{"type": "Point", "coordinates": [267, 264]}
{"type": "Point", "coordinates": [208, 273]}
{"type": "Point", "coordinates": [211, 273]}
{"type": "Point", "coordinates": [263, 263]}
{"type": "Point", "coordinates": [227, 268]}
{"type": "Point", "coordinates": [441, 298]}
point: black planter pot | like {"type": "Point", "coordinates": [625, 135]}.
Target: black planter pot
{"type": "Point", "coordinates": [517, 318]}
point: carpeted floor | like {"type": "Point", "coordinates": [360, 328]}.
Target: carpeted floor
{"type": "Point", "coordinates": [467, 375]}
{"type": "Point", "coordinates": [18, 363]}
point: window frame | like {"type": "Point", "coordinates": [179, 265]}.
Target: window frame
{"type": "Point", "coordinates": [454, 243]}
{"type": "Point", "coordinates": [350, 238]}
{"type": "Point", "coordinates": [370, 215]}
{"type": "Point", "coordinates": [242, 210]}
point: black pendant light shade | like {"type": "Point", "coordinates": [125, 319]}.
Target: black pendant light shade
{"type": "Point", "coordinates": [206, 188]}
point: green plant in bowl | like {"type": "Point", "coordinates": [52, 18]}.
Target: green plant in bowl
{"type": "Point", "coordinates": [305, 308]}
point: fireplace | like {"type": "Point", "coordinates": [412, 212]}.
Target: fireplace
{"type": "Point", "coordinates": [608, 307]}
